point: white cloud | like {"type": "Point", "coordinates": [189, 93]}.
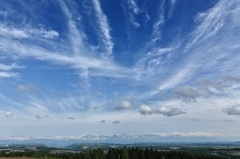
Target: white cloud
{"type": "Point", "coordinates": [186, 92]}
{"type": "Point", "coordinates": [210, 22]}
{"type": "Point", "coordinates": [76, 37]}
{"type": "Point", "coordinates": [146, 110]}
{"type": "Point", "coordinates": [23, 32]}
{"type": "Point", "coordinates": [233, 110]}
{"type": "Point", "coordinates": [172, 4]}
{"type": "Point", "coordinates": [8, 74]}
{"type": "Point", "coordinates": [4, 67]}
{"type": "Point", "coordinates": [8, 114]}
{"type": "Point", "coordinates": [156, 34]}
{"type": "Point", "coordinates": [124, 103]}
{"type": "Point", "coordinates": [104, 26]}
{"type": "Point", "coordinates": [133, 21]}
{"type": "Point", "coordinates": [167, 111]}
{"type": "Point", "coordinates": [181, 74]}
{"type": "Point", "coordinates": [6, 70]}
{"type": "Point", "coordinates": [108, 68]}
{"type": "Point", "coordinates": [12, 32]}
{"type": "Point", "coordinates": [134, 6]}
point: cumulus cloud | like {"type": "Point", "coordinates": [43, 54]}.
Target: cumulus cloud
{"type": "Point", "coordinates": [145, 110]}
{"type": "Point", "coordinates": [102, 121]}
{"type": "Point", "coordinates": [124, 103]}
{"type": "Point", "coordinates": [8, 114]}
{"type": "Point", "coordinates": [27, 88]}
{"type": "Point", "coordinates": [116, 121]}
{"type": "Point", "coordinates": [167, 111]}
{"type": "Point", "coordinates": [233, 110]}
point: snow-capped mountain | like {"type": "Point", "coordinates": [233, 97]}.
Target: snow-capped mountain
{"type": "Point", "coordinates": [113, 137]}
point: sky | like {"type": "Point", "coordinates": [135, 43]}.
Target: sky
{"type": "Point", "coordinates": [103, 67]}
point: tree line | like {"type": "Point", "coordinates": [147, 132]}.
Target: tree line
{"type": "Point", "coordinates": [124, 153]}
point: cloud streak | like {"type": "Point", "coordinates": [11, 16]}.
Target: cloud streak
{"type": "Point", "coordinates": [104, 27]}
{"type": "Point", "coordinates": [27, 88]}
{"type": "Point", "coordinates": [27, 32]}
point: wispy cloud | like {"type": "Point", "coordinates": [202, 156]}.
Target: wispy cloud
{"type": "Point", "coordinates": [27, 88]}
{"type": "Point", "coordinates": [4, 67]}
{"type": "Point", "coordinates": [8, 74]}
{"type": "Point", "coordinates": [133, 21]}
{"type": "Point", "coordinates": [156, 33]}
{"type": "Point", "coordinates": [172, 4]}
{"type": "Point", "coordinates": [21, 32]}
{"type": "Point", "coordinates": [75, 61]}
{"type": "Point", "coordinates": [210, 22]}
{"type": "Point", "coordinates": [76, 37]}
{"type": "Point", "coordinates": [6, 70]}
{"type": "Point", "coordinates": [131, 10]}
{"type": "Point", "coordinates": [134, 6]}
{"type": "Point", "coordinates": [104, 27]}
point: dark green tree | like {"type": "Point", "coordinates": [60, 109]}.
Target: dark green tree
{"type": "Point", "coordinates": [124, 153]}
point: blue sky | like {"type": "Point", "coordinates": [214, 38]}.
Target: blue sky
{"type": "Point", "coordinates": [104, 67]}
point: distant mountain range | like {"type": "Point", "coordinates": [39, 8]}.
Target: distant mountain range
{"type": "Point", "coordinates": [114, 137]}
